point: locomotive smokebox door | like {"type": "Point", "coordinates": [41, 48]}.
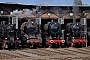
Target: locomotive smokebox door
{"type": "Point", "coordinates": [61, 20]}
{"type": "Point", "coordinates": [83, 21]}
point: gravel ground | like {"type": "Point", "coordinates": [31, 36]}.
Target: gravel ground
{"type": "Point", "coordinates": [46, 54]}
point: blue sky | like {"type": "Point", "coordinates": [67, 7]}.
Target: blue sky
{"type": "Point", "coordinates": [60, 2]}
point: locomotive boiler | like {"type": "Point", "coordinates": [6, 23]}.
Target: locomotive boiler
{"type": "Point", "coordinates": [75, 35]}
{"type": "Point", "coordinates": [54, 35]}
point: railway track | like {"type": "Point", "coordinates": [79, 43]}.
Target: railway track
{"type": "Point", "coordinates": [47, 54]}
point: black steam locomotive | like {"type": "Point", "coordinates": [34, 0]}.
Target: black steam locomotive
{"type": "Point", "coordinates": [75, 35]}
{"type": "Point", "coordinates": [31, 34]}
{"type": "Point", "coordinates": [9, 35]}
{"type": "Point", "coordinates": [54, 35]}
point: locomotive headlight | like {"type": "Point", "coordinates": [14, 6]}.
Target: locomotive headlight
{"type": "Point", "coordinates": [5, 38]}
{"type": "Point", "coordinates": [63, 41]}
{"type": "Point", "coordinates": [77, 24]}
{"type": "Point", "coordinates": [32, 22]}
{"type": "Point", "coordinates": [84, 37]}
{"type": "Point", "coordinates": [17, 38]}
{"type": "Point", "coordinates": [28, 41]}
{"type": "Point", "coordinates": [27, 38]}
{"type": "Point", "coordinates": [72, 37]}
{"type": "Point", "coordinates": [1, 12]}
{"type": "Point", "coordinates": [55, 23]}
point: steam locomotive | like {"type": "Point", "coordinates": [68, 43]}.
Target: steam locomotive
{"type": "Point", "coordinates": [75, 35]}
{"type": "Point", "coordinates": [9, 36]}
{"type": "Point", "coordinates": [54, 35]}
{"type": "Point", "coordinates": [31, 35]}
